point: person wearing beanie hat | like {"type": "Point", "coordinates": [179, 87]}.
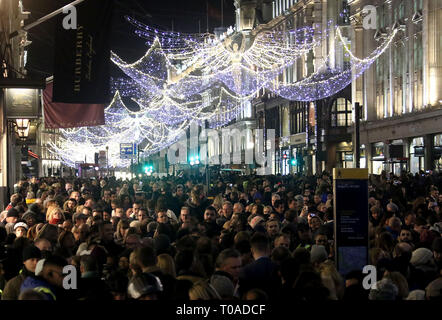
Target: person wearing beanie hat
{"type": "Point", "coordinates": [423, 269]}
{"type": "Point", "coordinates": [35, 208]}
{"type": "Point", "coordinates": [256, 221]}
{"type": "Point", "coordinates": [30, 218]}
{"type": "Point", "coordinates": [421, 257]}
{"type": "Point", "coordinates": [12, 213]}
{"type": "Point", "coordinates": [11, 218]}
{"type": "Point", "coordinates": [257, 197]}
{"type": "Point", "coordinates": [223, 285]}
{"type": "Point", "coordinates": [384, 289]}
{"type": "Point", "coordinates": [31, 255]}
{"type": "Point", "coordinates": [20, 229]}
{"type": "Point", "coordinates": [48, 279]}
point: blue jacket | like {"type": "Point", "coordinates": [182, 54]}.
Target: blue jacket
{"type": "Point", "coordinates": [40, 285]}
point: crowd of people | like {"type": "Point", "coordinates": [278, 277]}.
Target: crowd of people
{"type": "Point", "coordinates": [243, 238]}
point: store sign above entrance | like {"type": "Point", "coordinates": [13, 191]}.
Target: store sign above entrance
{"type": "Point", "coordinates": [22, 103]}
{"type": "Point", "coordinates": [298, 139]}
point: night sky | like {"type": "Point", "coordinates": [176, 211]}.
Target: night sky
{"type": "Point", "coordinates": [181, 15]}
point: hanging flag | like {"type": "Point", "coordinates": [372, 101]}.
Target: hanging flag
{"type": "Point", "coordinates": [82, 53]}
{"type": "Point", "coordinates": [67, 115]}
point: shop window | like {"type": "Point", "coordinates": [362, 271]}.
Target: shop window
{"type": "Point", "coordinates": [341, 113]}
{"type": "Point", "coordinates": [297, 123]}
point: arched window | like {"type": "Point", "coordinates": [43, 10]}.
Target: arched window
{"type": "Point", "coordinates": [341, 113]}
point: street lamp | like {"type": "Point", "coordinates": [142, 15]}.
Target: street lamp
{"type": "Point", "coordinates": [107, 160]}
{"type": "Point", "coordinates": [22, 128]}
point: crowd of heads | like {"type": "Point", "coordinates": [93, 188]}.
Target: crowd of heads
{"type": "Point", "coordinates": [242, 238]}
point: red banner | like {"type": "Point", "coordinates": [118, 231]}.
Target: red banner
{"type": "Point", "coordinates": [67, 115]}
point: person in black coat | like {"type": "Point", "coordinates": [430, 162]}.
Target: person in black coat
{"type": "Point", "coordinates": [91, 286]}
{"type": "Point", "coordinates": [262, 273]}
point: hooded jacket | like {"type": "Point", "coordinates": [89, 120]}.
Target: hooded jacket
{"type": "Point", "coordinates": [39, 284]}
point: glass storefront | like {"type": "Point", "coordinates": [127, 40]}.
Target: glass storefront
{"type": "Point", "coordinates": [285, 160]}
{"type": "Point", "coordinates": [417, 152]}
{"type": "Point", "coordinates": [437, 152]}
{"type": "Point", "coordinates": [378, 157]}
{"type": "Point", "coordinates": [398, 162]}
{"type": "Point", "coordinates": [363, 160]}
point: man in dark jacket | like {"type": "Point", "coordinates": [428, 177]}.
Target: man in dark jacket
{"type": "Point", "coordinates": [31, 255]}
{"type": "Point", "coordinates": [90, 286]}
{"type": "Point", "coordinates": [262, 273]}
{"type": "Point", "coordinates": [107, 238]}
{"type": "Point", "coordinates": [48, 279]}
{"type": "Point", "coordinates": [146, 259]}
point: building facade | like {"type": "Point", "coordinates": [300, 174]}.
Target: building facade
{"type": "Point", "coordinates": [14, 161]}
{"type": "Point", "coordinates": [401, 93]}
{"type": "Point", "coordinates": [311, 136]}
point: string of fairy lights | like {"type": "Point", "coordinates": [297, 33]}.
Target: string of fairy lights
{"type": "Point", "coordinates": [200, 78]}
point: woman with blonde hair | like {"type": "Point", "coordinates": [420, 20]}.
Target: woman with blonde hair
{"type": "Point", "coordinates": [218, 202]}
{"type": "Point", "coordinates": [268, 210]}
{"type": "Point", "coordinates": [332, 280]}
{"type": "Point", "coordinates": [122, 226]}
{"type": "Point", "coordinates": [167, 265]}
{"type": "Point", "coordinates": [50, 203]}
{"type": "Point", "coordinates": [197, 202]}
{"type": "Point", "coordinates": [55, 215]}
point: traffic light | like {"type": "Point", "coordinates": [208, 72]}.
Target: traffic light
{"type": "Point", "coordinates": [194, 160]}
{"type": "Point", "coordinates": [293, 162]}
{"type": "Point", "coordinates": [148, 169]}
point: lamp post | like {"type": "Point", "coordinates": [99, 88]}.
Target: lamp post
{"type": "Point", "coordinates": [107, 160]}
{"type": "Point", "coordinates": [357, 147]}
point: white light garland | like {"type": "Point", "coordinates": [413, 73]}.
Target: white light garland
{"type": "Point", "coordinates": [196, 78]}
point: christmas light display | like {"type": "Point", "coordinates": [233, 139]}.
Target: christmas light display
{"type": "Point", "coordinates": [199, 78]}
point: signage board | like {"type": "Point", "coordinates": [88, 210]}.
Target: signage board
{"type": "Point", "coordinates": [350, 219]}
{"type": "Point", "coordinates": [102, 159]}
{"type": "Point", "coordinates": [128, 150]}
{"type": "Point", "coordinates": [22, 103]}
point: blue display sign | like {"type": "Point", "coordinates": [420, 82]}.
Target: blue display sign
{"type": "Point", "coordinates": [128, 150]}
{"type": "Point", "coordinates": [351, 219]}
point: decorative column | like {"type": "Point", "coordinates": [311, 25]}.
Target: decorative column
{"type": "Point", "coordinates": [432, 24]}
{"type": "Point", "coordinates": [429, 145]}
